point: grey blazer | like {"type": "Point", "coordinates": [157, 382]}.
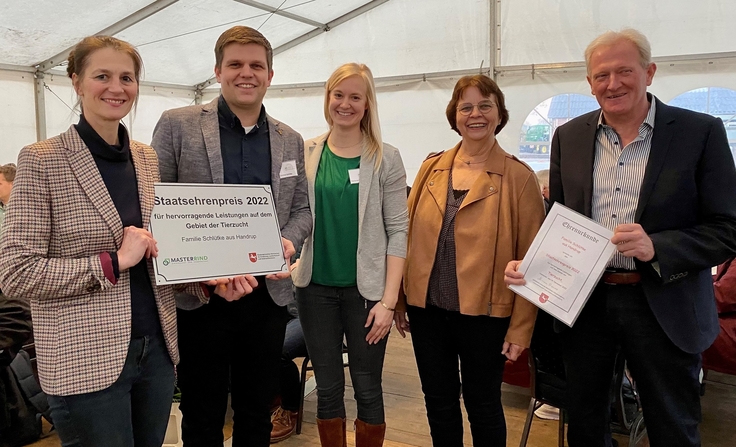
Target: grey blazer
{"type": "Point", "coordinates": [382, 218]}
{"type": "Point", "coordinates": [187, 141]}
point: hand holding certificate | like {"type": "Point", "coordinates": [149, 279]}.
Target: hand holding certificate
{"type": "Point", "coordinates": [206, 231]}
{"type": "Point", "coordinates": [564, 263]}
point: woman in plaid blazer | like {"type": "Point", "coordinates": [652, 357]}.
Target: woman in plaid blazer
{"type": "Point", "coordinates": [75, 245]}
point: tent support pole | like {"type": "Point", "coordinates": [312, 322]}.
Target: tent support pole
{"type": "Point", "coordinates": [39, 93]}
{"type": "Point", "coordinates": [495, 31]}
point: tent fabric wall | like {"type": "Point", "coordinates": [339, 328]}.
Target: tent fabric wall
{"type": "Point", "coordinates": [547, 31]}
{"type": "Point", "coordinates": [153, 102]}
{"type": "Point", "coordinates": [34, 30]}
{"type": "Point", "coordinates": [184, 54]}
{"type": "Point", "coordinates": [397, 38]}
{"type": "Point", "coordinates": [17, 124]}
{"type": "Point", "coordinates": [17, 114]}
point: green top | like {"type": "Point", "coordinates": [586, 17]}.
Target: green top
{"type": "Point", "coordinates": [336, 221]}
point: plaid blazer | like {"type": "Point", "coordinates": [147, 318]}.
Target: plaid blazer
{"type": "Point", "coordinates": [60, 220]}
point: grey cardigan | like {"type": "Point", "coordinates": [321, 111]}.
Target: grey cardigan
{"type": "Point", "coordinates": [187, 141]}
{"type": "Point", "coordinates": [382, 218]}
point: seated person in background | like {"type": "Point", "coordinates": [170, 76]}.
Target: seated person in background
{"type": "Point", "coordinates": [7, 175]}
{"type": "Point", "coordinates": [15, 327]}
{"type": "Point", "coordinates": [286, 414]}
{"type": "Point", "coordinates": [15, 330]}
{"type": "Point", "coordinates": [543, 178]}
{"type": "Point", "coordinates": [721, 356]}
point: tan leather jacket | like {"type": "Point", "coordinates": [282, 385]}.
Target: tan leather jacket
{"type": "Point", "coordinates": [496, 223]}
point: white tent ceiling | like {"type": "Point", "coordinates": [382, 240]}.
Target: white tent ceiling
{"type": "Point", "coordinates": [416, 49]}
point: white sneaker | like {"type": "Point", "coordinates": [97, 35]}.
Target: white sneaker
{"type": "Point", "coordinates": [548, 413]}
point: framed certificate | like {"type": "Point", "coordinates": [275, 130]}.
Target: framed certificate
{"type": "Point", "coordinates": [564, 263]}
{"type": "Point", "coordinates": [208, 231]}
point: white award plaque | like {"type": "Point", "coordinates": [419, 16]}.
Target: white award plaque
{"type": "Point", "coordinates": [208, 231]}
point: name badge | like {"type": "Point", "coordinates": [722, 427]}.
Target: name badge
{"type": "Point", "coordinates": [354, 176]}
{"type": "Point", "coordinates": [288, 169]}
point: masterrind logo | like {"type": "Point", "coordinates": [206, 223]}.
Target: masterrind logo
{"type": "Point", "coordinates": [185, 260]}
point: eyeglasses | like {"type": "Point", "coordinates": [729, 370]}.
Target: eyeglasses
{"type": "Point", "coordinates": [483, 107]}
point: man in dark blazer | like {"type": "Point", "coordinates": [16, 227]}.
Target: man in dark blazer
{"type": "Point", "coordinates": [663, 179]}
{"type": "Point", "coordinates": [232, 344]}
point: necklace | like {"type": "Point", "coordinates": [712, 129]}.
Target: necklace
{"type": "Point", "coordinates": [470, 162]}
{"type": "Point", "coordinates": [352, 146]}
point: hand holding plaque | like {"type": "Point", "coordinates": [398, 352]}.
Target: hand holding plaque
{"type": "Point", "coordinates": [563, 264]}
{"type": "Point", "coordinates": [211, 231]}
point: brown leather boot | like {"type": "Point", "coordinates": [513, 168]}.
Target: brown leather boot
{"type": "Point", "coordinates": [332, 432]}
{"type": "Point", "coordinates": [369, 435]}
{"type": "Point", "coordinates": [284, 424]}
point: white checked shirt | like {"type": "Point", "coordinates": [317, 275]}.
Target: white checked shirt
{"type": "Point", "coordinates": [618, 175]}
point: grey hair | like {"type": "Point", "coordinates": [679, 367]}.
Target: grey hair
{"type": "Point", "coordinates": [639, 40]}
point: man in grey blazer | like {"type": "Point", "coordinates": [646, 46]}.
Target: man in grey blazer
{"type": "Point", "coordinates": [234, 344]}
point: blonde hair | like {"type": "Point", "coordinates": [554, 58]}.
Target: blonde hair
{"type": "Point", "coordinates": [369, 125]}
{"type": "Point", "coordinates": [608, 38]}
{"type": "Point", "coordinates": [543, 177]}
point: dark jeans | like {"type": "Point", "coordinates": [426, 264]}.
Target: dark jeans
{"type": "Point", "coordinates": [328, 313]}
{"type": "Point", "coordinates": [133, 411]}
{"type": "Point", "coordinates": [235, 347]}
{"type": "Point", "coordinates": [289, 380]}
{"type": "Point", "coordinates": [667, 378]}
{"type": "Point", "coordinates": [440, 338]}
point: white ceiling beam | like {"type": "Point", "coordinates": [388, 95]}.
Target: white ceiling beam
{"type": "Point", "coordinates": [111, 30]}
{"type": "Point", "coordinates": [314, 33]}
{"type": "Point", "coordinates": [281, 12]}
{"type": "Point", "coordinates": [21, 68]}
{"type": "Point", "coordinates": [329, 26]}
{"type": "Point", "coordinates": [165, 85]}
{"type": "Point", "coordinates": [386, 81]}
{"type": "Point", "coordinates": [563, 66]}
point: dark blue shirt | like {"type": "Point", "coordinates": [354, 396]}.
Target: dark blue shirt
{"type": "Point", "coordinates": [246, 158]}
{"type": "Point", "coordinates": [118, 173]}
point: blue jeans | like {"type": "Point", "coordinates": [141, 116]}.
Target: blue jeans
{"type": "Point", "coordinates": [326, 314]}
{"type": "Point", "coordinates": [133, 411]}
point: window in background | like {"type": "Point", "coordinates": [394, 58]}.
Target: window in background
{"type": "Point", "coordinates": [719, 102]}
{"type": "Point", "coordinates": [539, 126]}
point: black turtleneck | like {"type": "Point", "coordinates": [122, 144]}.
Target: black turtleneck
{"type": "Point", "coordinates": [118, 173]}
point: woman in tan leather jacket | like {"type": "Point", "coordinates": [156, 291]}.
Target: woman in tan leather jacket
{"type": "Point", "coordinates": [472, 209]}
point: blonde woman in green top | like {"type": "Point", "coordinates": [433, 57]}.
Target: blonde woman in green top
{"type": "Point", "coordinates": [349, 274]}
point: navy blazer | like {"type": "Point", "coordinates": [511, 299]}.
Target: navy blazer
{"type": "Point", "coordinates": [687, 205]}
